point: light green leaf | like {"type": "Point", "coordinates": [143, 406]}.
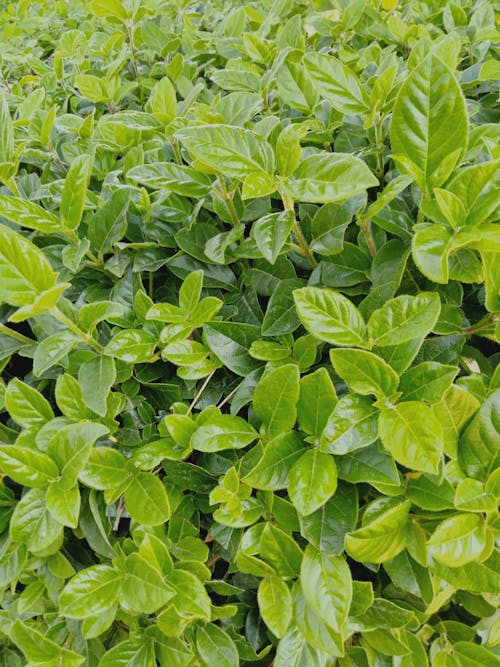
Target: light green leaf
{"type": "Point", "coordinates": [191, 599]}
{"type": "Point", "coordinates": [71, 446]}
{"type": "Point", "coordinates": [477, 188]}
{"type": "Point", "coordinates": [223, 432]}
{"type": "Point", "coordinates": [271, 233]}
{"type": "Point", "coordinates": [381, 539]}
{"type": "Point", "coordinates": [163, 101]}
{"type": "Point", "coordinates": [275, 604]}
{"type": "Point", "coordinates": [75, 188]}
{"type": "Point", "coordinates": [412, 434]}
{"type": "Point", "coordinates": [429, 124]}
{"type": "Point", "coordinates": [27, 466]}
{"type": "Point", "coordinates": [460, 540]}
{"type": "Point", "coordinates": [64, 503]}
{"type": "Point", "coordinates": [275, 399]}
{"type": "Point", "coordinates": [33, 525]}
{"type": "Point", "coordinates": [147, 501]}
{"type": "Point", "coordinates": [316, 401]}
{"type": "Point", "coordinates": [478, 447]}
{"type": "Point", "coordinates": [26, 405]}
{"type": "Point", "coordinates": [231, 150]}
{"type": "Point", "coordinates": [404, 318]}
{"type": "Point", "coordinates": [143, 589]}
{"type": "Point", "coordinates": [312, 480]}
{"type": "Point", "coordinates": [131, 652]}
{"type": "Point", "coordinates": [41, 650]}
{"type": "Point", "coordinates": [364, 372]}
{"type": "Point", "coordinates": [215, 647]}
{"type": "Point", "coordinates": [271, 472]}
{"type": "Point", "coordinates": [280, 551]}
{"type": "Point", "coordinates": [330, 316]}
{"type": "Point", "coordinates": [329, 177]}
{"type": "Point", "coordinates": [134, 346]}
{"type": "Point", "coordinates": [428, 381]}
{"type": "Point", "coordinates": [28, 214]}
{"type": "Point", "coordinates": [177, 178]}
{"type": "Point", "coordinates": [25, 272]}
{"type": "Point", "coordinates": [352, 425]}
{"type": "Point", "coordinates": [90, 592]}
{"type": "Point", "coordinates": [327, 586]}
{"type": "Point", "coordinates": [337, 83]}
{"type": "Point", "coordinates": [96, 377]}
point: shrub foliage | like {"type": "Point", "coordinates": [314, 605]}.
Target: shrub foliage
{"type": "Point", "coordinates": [250, 283]}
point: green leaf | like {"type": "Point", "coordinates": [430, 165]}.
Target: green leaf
{"type": "Point", "coordinates": [428, 381]}
{"type": "Point", "coordinates": [223, 432]}
{"type": "Point", "coordinates": [215, 647]}
{"type": "Point", "coordinates": [70, 448]}
{"type": "Point", "coordinates": [191, 599]}
{"type": "Point", "coordinates": [107, 226]}
{"type": "Point", "coordinates": [326, 527]}
{"type": "Point", "coordinates": [147, 501]}
{"type": "Point", "coordinates": [412, 434]}
{"type": "Point", "coordinates": [28, 214]}
{"type": "Point", "coordinates": [404, 318]}
{"type": "Point", "coordinates": [132, 345]}
{"type": "Point", "coordinates": [478, 446]}
{"type": "Point", "coordinates": [143, 589]}
{"type": "Point", "coordinates": [352, 425]}
{"type": "Point", "coordinates": [53, 349]}
{"type": "Point", "coordinates": [476, 187]}
{"type": "Point", "coordinates": [429, 125]}
{"type": "Point", "coordinates": [26, 405]}
{"type": "Point", "coordinates": [364, 372]}
{"type": "Point", "coordinates": [312, 480]}
{"type": "Point", "coordinates": [280, 317]}
{"type": "Point", "coordinates": [475, 577]}
{"type": "Point", "coordinates": [64, 503]}
{"type": "Point", "coordinates": [272, 469]}
{"type": "Point", "coordinates": [381, 539]}
{"type": "Point", "coordinates": [230, 341]}
{"type": "Point", "coordinates": [7, 145]}
{"type": "Point", "coordinates": [75, 188]}
{"type": "Point", "coordinates": [105, 469]}
{"type": "Point", "coordinates": [230, 150]}
{"type": "Point", "coordinates": [163, 101]}
{"type": "Point", "coordinates": [327, 586]}
{"type": "Point", "coordinates": [33, 525]}
{"type": "Point", "coordinates": [137, 652]}
{"type": "Point", "coordinates": [27, 466]}
{"type": "Point", "coordinates": [431, 246]}
{"type": "Point", "coordinates": [271, 233]}
{"type": "Point", "coordinates": [25, 272]}
{"type": "Point", "coordinates": [275, 604]}
{"type": "Point", "coordinates": [330, 316]}
{"type": "Point", "coordinates": [459, 540]}
{"type": "Point", "coordinates": [96, 377]}
{"type": "Point", "coordinates": [329, 177]}
{"type": "Point", "coordinates": [317, 399]}
{"type": "Point", "coordinates": [90, 592]}
{"type": "Point", "coordinates": [39, 649]}
{"type": "Point", "coordinates": [280, 551]}
{"type": "Point", "coordinates": [275, 399]}
{"type": "Point", "coordinates": [337, 83]}
{"type": "Point", "coordinates": [105, 8]}
{"type": "Point", "coordinates": [177, 178]}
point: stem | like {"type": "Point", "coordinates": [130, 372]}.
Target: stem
{"type": "Point", "coordinates": [130, 31]}
{"type": "Point", "coordinates": [485, 323]}
{"type": "Point", "coordinates": [200, 392]}
{"type": "Point", "coordinates": [305, 249]}
{"type": "Point", "coordinates": [366, 228]}
{"type": "Point", "coordinates": [12, 185]}
{"type": "Point", "coordinates": [377, 125]}
{"type": "Point", "coordinates": [59, 315]}
{"type": "Point", "coordinates": [228, 198]}
{"type": "Point", "coordinates": [230, 395]}
{"type": "Point", "coordinates": [15, 334]}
